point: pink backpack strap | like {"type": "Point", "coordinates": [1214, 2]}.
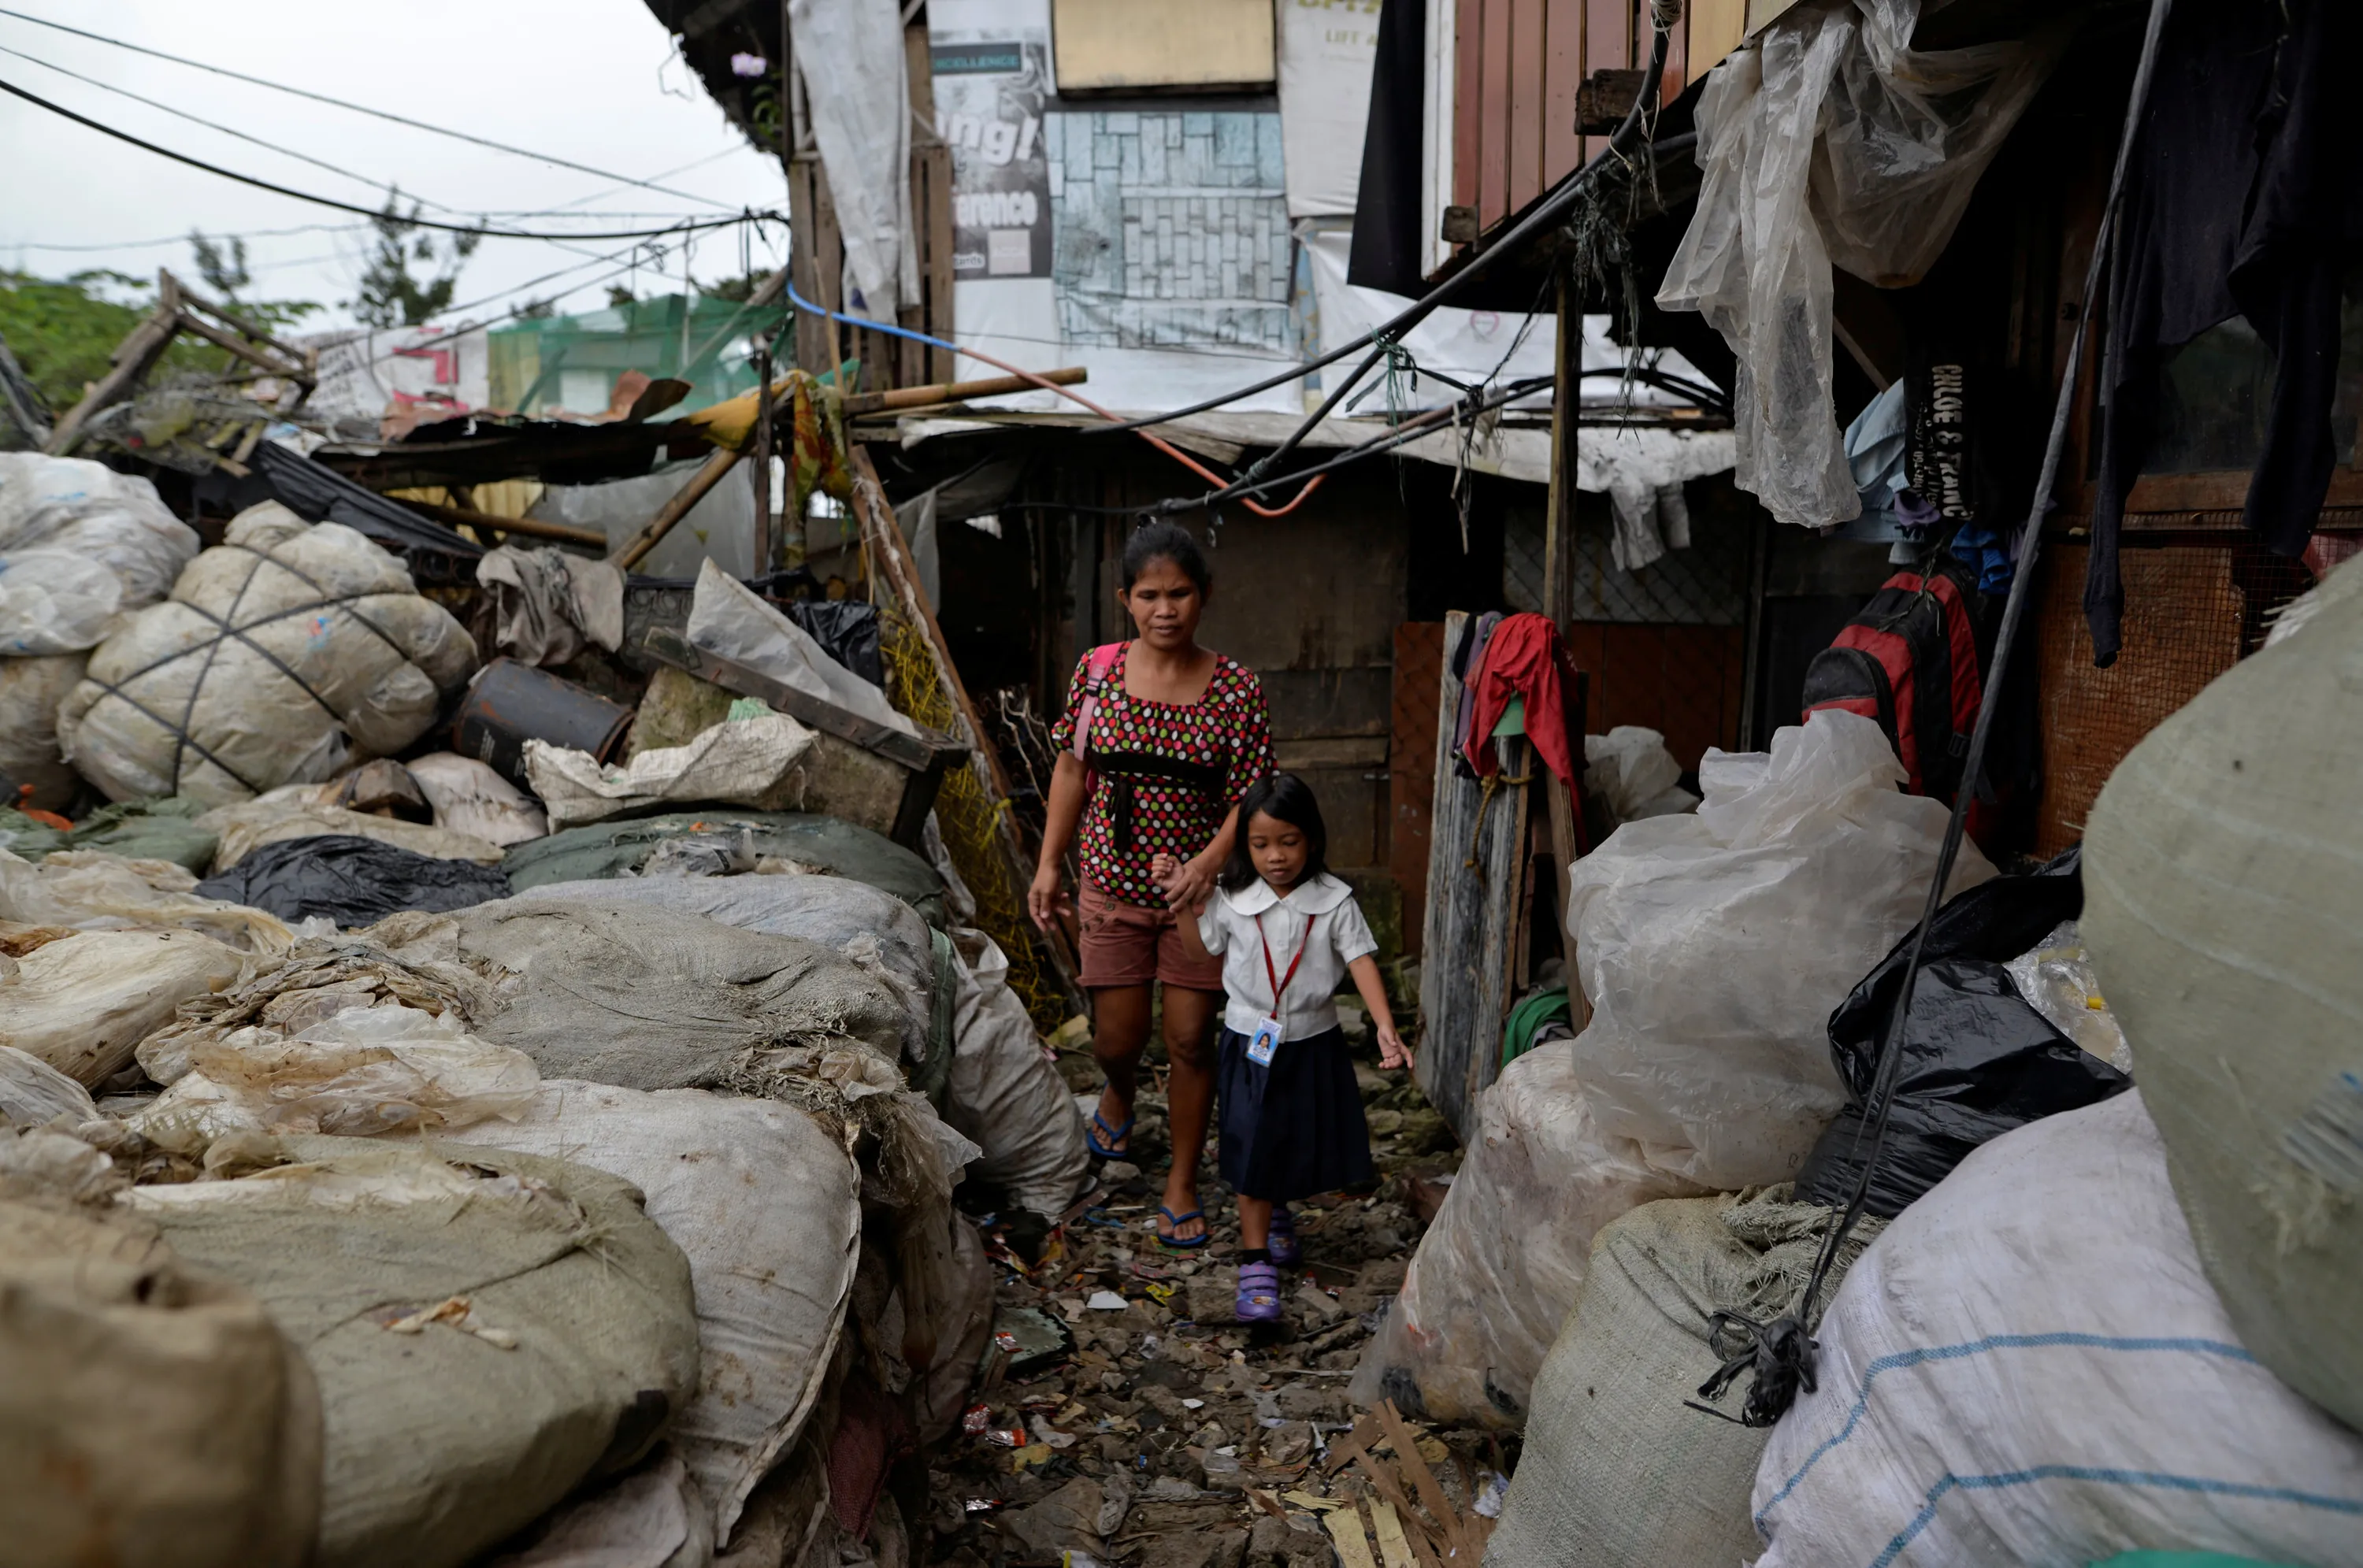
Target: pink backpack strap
{"type": "Point", "coordinates": [1096, 669]}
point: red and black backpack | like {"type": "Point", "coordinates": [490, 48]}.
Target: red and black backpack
{"type": "Point", "coordinates": [1910, 661]}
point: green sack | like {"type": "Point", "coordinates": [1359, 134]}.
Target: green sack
{"type": "Point", "coordinates": [138, 830]}
{"type": "Point", "coordinates": [598, 851]}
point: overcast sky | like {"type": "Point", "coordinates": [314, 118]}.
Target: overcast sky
{"type": "Point", "coordinates": [594, 82]}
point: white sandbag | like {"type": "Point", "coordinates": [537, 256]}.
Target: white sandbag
{"type": "Point", "coordinates": [767, 1207]}
{"type": "Point", "coordinates": [1617, 1469]}
{"type": "Point", "coordinates": [653, 1518]}
{"type": "Point", "coordinates": [730, 621]}
{"type": "Point", "coordinates": [90, 889]}
{"type": "Point", "coordinates": [1500, 1268]}
{"type": "Point", "coordinates": [2225, 919]}
{"type": "Point", "coordinates": [757, 763]}
{"type": "Point", "coordinates": [877, 932]}
{"type": "Point", "coordinates": [471, 799]}
{"type": "Point", "coordinates": [278, 654]}
{"type": "Point", "coordinates": [150, 1412]}
{"type": "Point", "coordinates": [490, 1330]}
{"type": "Point", "coordinates": [1715, 946]}
{"type": "Point", "coordinates": [1005, 1094]}
{"type": "Point", "coordinates": [31, 692]}
{"type": "Point", "coordinates": [363, 1072]}
{"type": "Point", "coordinates": [79, 545]}
{"type": "Point", "coordinates": [1631, 770]}
{"type": "Point", "coordinates": [2029, 1366]}
{"type": "Point", "coordinates": [309, 811]}
{"type": "Point", "coordinates": [34, 1094]}
{"type": "Point", "coordinates": [83, 1002]}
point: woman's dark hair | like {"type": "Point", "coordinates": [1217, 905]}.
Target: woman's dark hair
{"type": "Point", "coordinates": [1165, 540]}
{"type": "Point", "coordinates": [1285, 798]}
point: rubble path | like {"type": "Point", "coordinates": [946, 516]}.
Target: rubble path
{"type": "Point", "coordinates": [1126, 1416]}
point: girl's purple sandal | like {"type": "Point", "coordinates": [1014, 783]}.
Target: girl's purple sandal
{"type": "Point", "coordinates": [1285, 1250]}
{"type": "Point", "coordinates": [1259, 1298]}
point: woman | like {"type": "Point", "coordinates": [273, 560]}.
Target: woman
{"type": "Point", "coordinates": [1173, 735]}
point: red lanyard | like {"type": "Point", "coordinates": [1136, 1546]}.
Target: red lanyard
{"type": "Point", "coordinates": [1280, 982]}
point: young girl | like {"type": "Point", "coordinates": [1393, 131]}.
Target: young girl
{"type": "Point", "coordinates": [1291, 1112]}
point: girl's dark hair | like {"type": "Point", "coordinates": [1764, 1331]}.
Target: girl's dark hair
{"type": "Point", "coordinates": [1284, 797]}
{"type": "Point", "coordinates": [1165, 540]}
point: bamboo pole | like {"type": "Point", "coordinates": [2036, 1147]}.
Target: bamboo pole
{"type": "Point", "coordinates": [631, 552]}
{"type": "Point", "coordinates": [953, 392]}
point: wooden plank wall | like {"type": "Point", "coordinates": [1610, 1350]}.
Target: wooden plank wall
{"type": "Point", "coordinates": [1517, 67]}
{"type": "Point", "coordinates": [1411, 767]}
{"type": "Point", "coordinates": [1471, 929]}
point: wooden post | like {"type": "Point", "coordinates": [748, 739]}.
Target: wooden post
{"type": "Point", "coordinates": [1558, 539]}
{"type": "Point", "coordinates": [760, 470]}
{"type": "Point", "coordinates": [889, 556]}
{"type": "Point", "coordinates": [132, 360]}
{"type": "Point", "coordinates": [1467, 954]}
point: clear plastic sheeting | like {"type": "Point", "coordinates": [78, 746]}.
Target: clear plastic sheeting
{"type": "Point", "coordinates": [1715, 945]}
{"type": "Point", "coordinates": [79, 545]}
{"type": "Point", "coordinates": [34, 1094]}
{"type": "Point", "coordinates": [89, 889]}
{"type": "Point", "coordinates": [1502, 1267]}
{"type": "Point", "coordinates": [366, 1071]}
{"type": "Point", "coordinates": [82, 1002]}
{"type": "Point", "coordinates": [2030, 1366]}
{"type": "Point", "coordinates": [2058, 980]}
{"type": "Point", "coordinates": [730, 621]}
{"type": "Point", "coordinates": [1830, 141]}
{"type": "Point", "coordinates": [279, 653]}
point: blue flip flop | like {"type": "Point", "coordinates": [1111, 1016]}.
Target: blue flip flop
{"type": "Point", "coordinates": [1100, 1151]}
{"type": "Point", "coordinates": [1184, 1244]}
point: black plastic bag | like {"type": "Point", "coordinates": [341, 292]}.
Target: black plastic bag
{"type": "Point", "coordinates": [352, 880]}
{"type": "Point", "coordinates": [1977, 1059]}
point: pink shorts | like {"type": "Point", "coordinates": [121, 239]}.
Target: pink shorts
{"type": "Point", "coordinates": [1125, 944]}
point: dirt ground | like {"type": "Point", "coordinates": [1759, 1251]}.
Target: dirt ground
{"type": "Point", "coordinates": [1127, 1415]}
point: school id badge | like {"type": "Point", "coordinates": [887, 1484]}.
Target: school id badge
{"type": "Point", "coordinates": [1264, 1040]}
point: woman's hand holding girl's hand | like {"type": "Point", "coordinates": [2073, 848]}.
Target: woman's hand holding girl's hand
{"type": "Point", "coordinates": [1187, 883]}
{"type": "Point", "coordinates": [1393, 1052]}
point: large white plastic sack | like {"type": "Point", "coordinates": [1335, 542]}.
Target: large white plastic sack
{"type": "Point", "coordinates": [366, 1071]}
{"type": "Point", "coordinates": [82, 1002]}
{"type": "Point", "coordinates": [333, 649]}
{"type": "Point", "coordinates": [1831, 141]}
{"type": "Point", "coordinates": [2029, 1366]}
{"type": "Point", "coordinates": [767, 1207]}
{"type": "Point", "coordinates": [1502, 1267]}
{"type": "Point", "coordinates": [1631, 770]}
{"type": "Point", "coordinates": [1005, 1094]}
{"type": "Point", "coordinates": [757, 763]}
{"type": "Point", "coordinates": [469, 798]}
{"type": "Point", "coordinates": [31, 690]}
{"type": "Point", "coordinates": [1715, 946]}
{"type": "Point", "coordinates": [2224, 914]}
{"type": "Point", "coordinates": [34, 1094]}
{"type": "Point", "coordinates": [79, 545]}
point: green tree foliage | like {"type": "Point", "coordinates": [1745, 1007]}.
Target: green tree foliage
{"type": "Point", "coordinates": [63, 331]}
{"type": "Point", "coordinates": [222, 267]}
{"type": "Point", "coordinates": [391, 294]}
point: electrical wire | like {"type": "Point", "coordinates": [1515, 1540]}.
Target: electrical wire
{"type": "Point", "coordinates": [480, 231]}
{"type": "Point", "coordinates": [226, 130]}
{"type": "Point", "coordinates": [365, 109]}
{"type": "Point", "coordinates": [1171, 450]}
